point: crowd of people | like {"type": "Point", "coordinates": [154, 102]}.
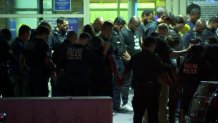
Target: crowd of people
{"type": "Point", "coordinates": [162, 58]}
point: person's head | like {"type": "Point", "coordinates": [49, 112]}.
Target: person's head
{"type": "Point", "coordinates": [72, 37]}
{"type": "Point", "coordinates": [45, 23]}
{"type": "Point", "coordinates": [24, 33]}
{"type": "Point", "coordinates": [88, 29]}
{"type": "Point", "coordinates": [134, 23]}
{"type": "Point", "coordinates": [194, 12]}
{"type": "Point", "coordinates": [119, 23]}
{"type": "Point", "coordinates": [194, 15]}
{"type": "Point", "coordinates": [98, 23]}
{"type": "Point", "coordinates": [147, 16]}
{"type": "Point", "coordinates": [62, 24]}
{"type": "Point", "coordinates": [5, 34]}
{"type": "Point", "coordinates": [42, 32]}
{"type": "Point", "coordinates": [213, 23]}
{"type": "Point", "coordinates": [167, 18]}
{"type": "Point", "coordinates": [162, 29]}
{"type": "Point", "coordinates": [160, 11]}
{"type": "Point", "coordinates": [149, 43]}
{"type": "Point", "coordinates": [173, 40]}
{"type": "Point", "coordinates": [106, 29]}
{"type": "Point", "coordinates": [200, 25]}
{"type": "Point", "coordinates": [84, 38]}
{"type": "Point", "coordinates": [179, 22]}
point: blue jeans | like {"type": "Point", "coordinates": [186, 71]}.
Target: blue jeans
{"type": "Point", "coordinates": [120, 90]}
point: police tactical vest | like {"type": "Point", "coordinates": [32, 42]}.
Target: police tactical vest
{"type": "Point", "coordinates": [118, 44]}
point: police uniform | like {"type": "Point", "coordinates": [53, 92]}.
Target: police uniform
{"type": "Point", "coordinates": [17, 48]}
{"type": "Point", "coordinates": [34, 53]}
{"type": "Point", "coordinates": [119, 48]}
{"type": "Point", "coordinates": [193, 70]}
{"type": "Point", "coordinates": [146, 68]}
{"type": "Point", "coordinates": [6, 88]}
{"type": "Point", "coordinates": [79, 64]}
{"type": "Point", "coordinates": [102, 83]}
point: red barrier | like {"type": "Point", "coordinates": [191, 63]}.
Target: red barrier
{"type": "Point", "coordinates": [57, 109]}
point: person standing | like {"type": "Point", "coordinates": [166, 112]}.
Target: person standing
{"type": "Point", "coordinates": [6, 87]}
{"type": "Point", "coordinates": [102, 78]}
{"type": "Point", "coordinates": [119, 50]}
{"type": "Point", "coordinates": [17, 47]}
{"type": "Point", "coordinates": [79, 63]}
{"type": "Point", "coordinates": [40, 67]}
{"type": "Point", "coordinates": [146, 68]}
{"type": "Point", "coordinates": [133, 39]}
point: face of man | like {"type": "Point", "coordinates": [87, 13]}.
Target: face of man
{"type": "Point", "coordinates": [194, 17]}
{"type": "Point", "coordinates": [64, 26]}
{"type": "Point", "coordinates": [118, 27]}
{"type": "Point", "coordinates": [214, 27]}
{"type": "Point", "coordinates": [27, 36]}
{"type": "Point", "coordinates": [97, 25]}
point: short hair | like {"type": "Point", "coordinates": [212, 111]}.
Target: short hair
{"type": "Point", "coordinates": [160, 11]}
{"type": "Point", "coordinates": [5, 34]}
{"type": "Point", "coordinates": [119, 20]}
{"type": "Point", "coordinates": [169, 17]}
{"type": "Point", "coordinates": [88, 29]}
{"type": "Point", "coordinates": [85, 35]}
{"type": "Point", "coordinates": [193, 8]}
{"type": "Point", "coordinates": [107, 24]}
{"type": "Point", "coordinates": [146, 12]}
{"type": "Point", "coordinates": [46, 24]}
{"type": "Point", "coordinates": [213, 19]}
{"type": "Point", "coordinates": [42, 29]}
{"type": "Point", "coordinates": [179, 19]}
{"type": "Point", "coordinates": [195, 11]}
{"type": "Point", "coordinates": [162, 26]}
{"type": "Point", "coordinates": [24, 29]}
{"type": "Point", "coordinates": [71, 34]}
{"type": "Point", "coordinates": [61, 20]}
{"type": "Point", "coordinates": [148, 41]}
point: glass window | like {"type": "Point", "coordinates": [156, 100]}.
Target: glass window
{"type": "Point", "coordinates": [14, 13]}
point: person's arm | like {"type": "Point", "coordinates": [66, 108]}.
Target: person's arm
{"type": "Point", "coordinates": [180, 52]}
{"type": "Point", "coordinates": [51, 66]}
{"type": "Point", "coordinates": [113, 67]}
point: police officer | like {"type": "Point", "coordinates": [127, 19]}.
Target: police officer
{"type": "Point", "coordinates": [40, 66]}
{"type": "Point", "coordinates": [119, 48]}
{"type": "Point", "coordinates": [17, 48]}
{"type": "Point", "coordinates": [146, 68]}
{"type": "Point", "coordinates": [103, 76]}
{"type": "Point", "coordinates": [193, 70]}
{"type": "Point", "coordinates": [6, 88]}
{"type": "Point", "coordinates": [60, 32]}
{"type": "Point", "coordinates": [79, 63]}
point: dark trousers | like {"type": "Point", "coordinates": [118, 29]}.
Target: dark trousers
{"type": "Point", "coordinates": [173, 102]}
{"type": "Point", "coordinates": [6, 87]}
{"type": "Point", "coordinates": [146, 97]}
{"type": "Point", "coordinates": [119, 91]}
